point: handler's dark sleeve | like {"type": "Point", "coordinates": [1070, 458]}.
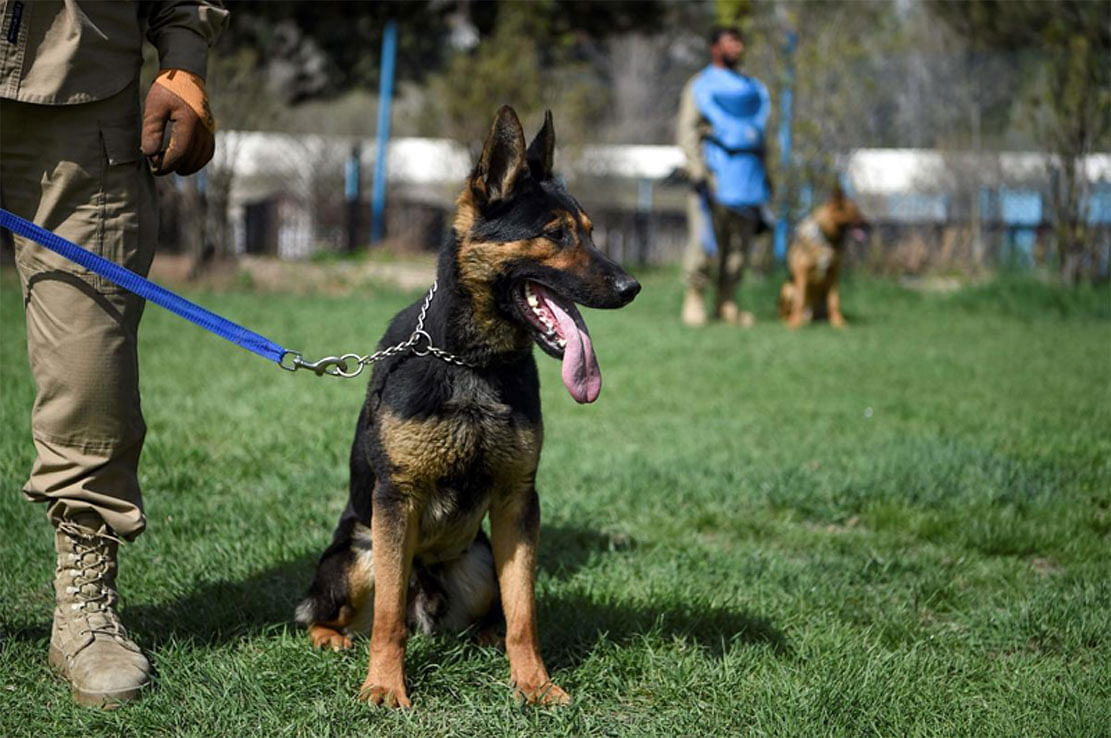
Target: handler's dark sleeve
{"type": "Point", "coordinates": [183, 30]}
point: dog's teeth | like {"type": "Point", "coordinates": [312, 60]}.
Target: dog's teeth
{"type": "Point", "coordinates": [562, 342]}
{"type": "Point", "coordinates": [541, 314]}
{"type": "Point", "coordinates": [543, 318]}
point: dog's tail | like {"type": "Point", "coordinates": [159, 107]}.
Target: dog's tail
{"type": "Point", "coordinates": [309, 611]}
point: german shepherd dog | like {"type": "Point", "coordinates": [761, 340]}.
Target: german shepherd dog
{"type": "Point", "coordinates": [813, 289]}
{"type": "Point", "coordinates": [440, 444]}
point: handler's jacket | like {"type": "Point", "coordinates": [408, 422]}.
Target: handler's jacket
{"type": "Point", "coordinates": [64, 52]}
{"type": "Point", "coordinates": [690, 129]}
{"type": "Point", "coordinates": [736, 107]}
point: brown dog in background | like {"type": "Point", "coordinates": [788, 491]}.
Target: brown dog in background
{"type": "Point", "coordinates": [814, 262]}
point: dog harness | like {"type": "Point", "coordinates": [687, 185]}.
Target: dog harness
{"type": "Point", "coordinates": [809, 230]}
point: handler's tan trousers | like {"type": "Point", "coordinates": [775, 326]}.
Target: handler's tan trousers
{"type": "Point", "coordinates": [734, 233]}
{"type": "Point", "coordinates": [77, 170]}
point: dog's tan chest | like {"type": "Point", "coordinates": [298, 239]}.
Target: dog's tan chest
{"type": "Point", "coordinates": [823, 259]}
{"type": "Point", "coordinates": [466, 440]}
{"type": "Point", "coordinates": [456, 463]}
{"type": "Point", "coordinates": [811, 253]}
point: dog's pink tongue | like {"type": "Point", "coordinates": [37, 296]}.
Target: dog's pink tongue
{"type": "Point", "coordinates": [581, 375]}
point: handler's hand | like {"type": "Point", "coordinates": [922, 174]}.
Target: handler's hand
{"type": "Point", "coordinates": [177, 104]}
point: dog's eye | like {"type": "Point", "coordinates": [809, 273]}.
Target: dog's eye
{"type": "Point", "coordinates": [555, 234]}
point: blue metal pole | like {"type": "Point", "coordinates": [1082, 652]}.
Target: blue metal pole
{"type": "Point", "coordinates": [385, 101]}
{"type": "Point", "coordinates": [353, 194]}
{"type": "Point", "coordinates": [786, 105]}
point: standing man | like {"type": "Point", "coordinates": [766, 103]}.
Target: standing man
{"type": "Point", "coordinates": [722, 117]}
{"type": "Point", "coordinates": [77, 153]}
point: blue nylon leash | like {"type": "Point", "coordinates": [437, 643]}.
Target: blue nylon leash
{"type": "Point", "coordinates": [706, 233]}
{"type": "Point", "coordinates": [347, 365]}
{"type": "Point", "coordinates": [144, 288]}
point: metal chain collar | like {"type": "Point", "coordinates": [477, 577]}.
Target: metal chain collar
{"type": "Point", "coordinates": [419, 343]}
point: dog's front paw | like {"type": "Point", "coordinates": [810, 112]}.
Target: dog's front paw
{"type": "Point", "coordinates": [324, 637]}
{"type": "Point", "coordinates": [837, 321]}
{"type": "Point", "coordinates": [547, 693]}
{"type": "Point", "coordinates": [379, 694]}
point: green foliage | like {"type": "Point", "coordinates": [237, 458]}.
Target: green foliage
{"type": "Point", "coordinates": [842, 54]}
{"type": "Point", "coordinates": [734, 13]}
{"type": "Point", "coordinates": [525, 63]}
{"type": "Point", "coordinates": [503, 70]}
{"type": "Point", "coordinates": [310, 50]}
{"type": "Point", "coordinates": [898, 529]}
{"type": "Point", "coordinates": [321, 49]}
{"type": "Point", "coordinates": [1065, 92]}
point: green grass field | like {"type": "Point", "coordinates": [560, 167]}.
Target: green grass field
{"type": "Point", "coordinates": [900, 529]}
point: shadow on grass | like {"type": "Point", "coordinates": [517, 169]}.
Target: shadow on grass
{"type": "Point", "coordinates": [228, 611]}
{"type": "Point", "coordinates": [215, 612]}
{"type": "Point", "coordinates": [32, 632]}
{"type": "Point", "coordinates": [581, 623]}
{"type": "Point", "coordinates": [564, 550]}
{"type": "Point", "coordinates": [572, 628]}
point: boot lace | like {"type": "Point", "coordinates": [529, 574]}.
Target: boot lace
{"type": "Point", "coordinates": [90, 564]}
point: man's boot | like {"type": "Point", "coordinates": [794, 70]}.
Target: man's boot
{"type": "Point", "coordinates": [694, 308]}
{"type": "Point", "coordinates": [88, 644]}
{"type": "Point", "coordinates": [731, 314]}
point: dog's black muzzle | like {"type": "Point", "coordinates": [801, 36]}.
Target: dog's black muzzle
{"type": "Point", "coordinates": [626, 288]}
{"type": "Point", "coordinates": [610, 286]}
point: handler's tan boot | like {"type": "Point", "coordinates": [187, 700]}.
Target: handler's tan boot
{"type": "Point", "coordinates": [694, 308]}
{"type": "Point", "coordinates": [88, 644]}
{"type": "Point", "coordinates": [731, 314]}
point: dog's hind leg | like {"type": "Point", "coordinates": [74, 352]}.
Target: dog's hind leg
{"type": "Point", "coordinates": [786, 300]}
{"type": "Point", "coordinates": [472, 590]}
{"type": "Point", "coordinates": [799, 306]}
{"type": "Point", "coordinates": [833, 301]}
{"type": "Point", "coordinates": [455, 595]}
{"type": "Point", "coordinates": [338, 601]}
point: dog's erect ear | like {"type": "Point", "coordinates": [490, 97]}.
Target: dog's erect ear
{"type": "Point", "coordinates": [542, 150]}
{"type": "Point", "coordinates": [503, 159]}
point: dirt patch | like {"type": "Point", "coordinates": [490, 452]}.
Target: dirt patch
{"type": "Point", "coordinates": [1044, 566]}
{"type": "Point", "coordinates": [847, 526]}
{"type": "Point", "coordinates": [298, 277]}
{"type": "Point", "coordinates": [932, 284]}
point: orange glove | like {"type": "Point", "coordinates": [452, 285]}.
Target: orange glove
{"type": "Point", "coordinates": [177, 105]}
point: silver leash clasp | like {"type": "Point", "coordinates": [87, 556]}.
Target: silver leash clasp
{"type": "Point", "coordinates": [336, 366]}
